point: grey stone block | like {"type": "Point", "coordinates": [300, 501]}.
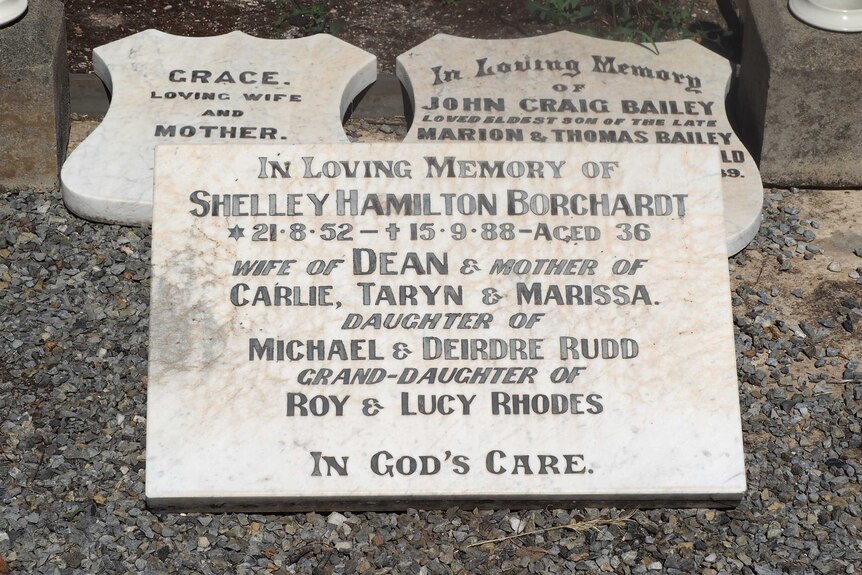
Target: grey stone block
{"type": "Point", "coordinates": [34, 98]}
{"type": "Point", "coordinates": [801, 90]}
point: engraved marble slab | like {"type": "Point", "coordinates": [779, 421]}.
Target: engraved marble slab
{"type": "Point", "coordinates": [573, 89]}
{"type": "Point", "coordinates": [233, 88]}
{"type": "Point", "coordinates": [385, 325]}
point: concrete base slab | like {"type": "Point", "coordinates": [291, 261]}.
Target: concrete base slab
{"type": "Point", "coordinates": [34, 97]}
{"type": "Point", "coordinates": [799, 89]}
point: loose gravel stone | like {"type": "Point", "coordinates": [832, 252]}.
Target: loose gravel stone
{"type": "Point", "coordinates": [75, 301]}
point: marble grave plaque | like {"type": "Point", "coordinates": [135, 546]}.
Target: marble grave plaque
{"type": "Point", "coordinates": [573, 89]}
{"type": "Point", "coordinates": [389, 325]}
{"type": "Point", "coordinates": [227, 89]}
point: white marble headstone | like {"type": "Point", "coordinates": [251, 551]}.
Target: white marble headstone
{"type": "Point", "coordinates": [573, 89]}
{"type": "Point", "coordinates": [385, 325]}
{"type": "Point", "coordinates": [230, 89]}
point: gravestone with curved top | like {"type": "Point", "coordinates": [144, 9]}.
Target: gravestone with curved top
{"type": "Point", "coordinates": [576, 90]}
{"type": "Point", "coordinates": [228, 89]}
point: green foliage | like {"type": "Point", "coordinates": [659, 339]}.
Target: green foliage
{"type": "Point", "coordinates": [673, 16]}
{"type": "Point", "coordinates": [559, 10]}
{"type": "Point", "coordinates": [642, 21]}
{"type": "Point", "coordinates": [625, 18]}
{"type": "Point", "coordinates": [311, 18]}
{"type": "Point", "coordinates": [675, 20]}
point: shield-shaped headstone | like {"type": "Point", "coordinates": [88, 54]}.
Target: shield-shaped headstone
{"type": "Point", "coordinates": [572, 89]}
{"type": "Point", "coordinates": [226, 89]}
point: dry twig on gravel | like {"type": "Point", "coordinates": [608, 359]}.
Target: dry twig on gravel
{"type": "Point", "coordinates": [576, 526]}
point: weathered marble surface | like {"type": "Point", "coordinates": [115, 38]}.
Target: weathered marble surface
{"type": "Point", "coordinates": [160, 84]}
{"type": "Point", "coordinates": [550, 83]}
{"type": "Point", "coordinates": [218, 430]}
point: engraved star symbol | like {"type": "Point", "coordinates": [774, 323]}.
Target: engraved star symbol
{"type": "Point", "coordinates": [236, 232]}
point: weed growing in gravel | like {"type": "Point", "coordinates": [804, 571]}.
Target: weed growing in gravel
{"type": "Point", "coordinates": [625, 17]}
{"type": "Point", "coordinates": [559, 10]}
{"type": "Point", "coordinates": [642, 21]}
{"type": "Point", "coordinates": [310, 18]}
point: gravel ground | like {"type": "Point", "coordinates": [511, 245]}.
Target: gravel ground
{"type": "Point", "coordinates": [74, 301]}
